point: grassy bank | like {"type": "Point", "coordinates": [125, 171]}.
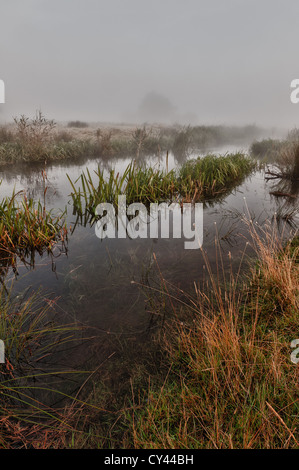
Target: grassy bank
{"type": "Point", "coordinates": [14, 152]}
{"type": "Point", "coordinates": [228, 378]}
{"type": "Point", "coordinates": [41, 140]}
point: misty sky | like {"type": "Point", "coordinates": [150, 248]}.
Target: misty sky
{"type": "Point", "coordinates": [217, 61]}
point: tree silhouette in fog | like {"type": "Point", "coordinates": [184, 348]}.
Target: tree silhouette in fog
{"type": "Point", "coordinates": [156, 107]}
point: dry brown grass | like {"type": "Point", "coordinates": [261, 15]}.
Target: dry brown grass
{"type": "Point", "coordinates": [230, 382]}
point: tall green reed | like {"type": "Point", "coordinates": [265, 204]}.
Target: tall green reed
{"type": "Point", "coordinates": [196, 180]}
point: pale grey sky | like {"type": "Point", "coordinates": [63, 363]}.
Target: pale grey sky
{"type": "Point", "coordinates": [217, 61]}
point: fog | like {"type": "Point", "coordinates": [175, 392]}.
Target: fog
{"type": "Point", "coordinates": [192, 61]}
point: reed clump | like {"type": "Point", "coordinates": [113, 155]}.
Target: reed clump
{"type": "Point", "coordinates": [286, 166]}
{"type": "Point", "coordinates": [211, 175]}
{"type": "Point", "coordinates": [197, 180]}
{"type": "Point", "coordinates": [6, 135]}
{"type": "Point", "coordinates": [268, 149]}
{"type": "Point", "coordinates": [27, 227]}
{"type": "Point", "coordinates": [138, 184]}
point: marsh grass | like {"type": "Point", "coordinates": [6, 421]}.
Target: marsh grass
{"type": "Point", "coordinates": [138, 184]}
{"type": "Point", "coordinates": [282, 154]}
{"type": "Point", "coordinates": [196, 181]}
{"type": "Point", "coordinates": [6, 135]}
{"type": "Point", "coordinates": [31, 334]}
{"type": "Point", "coordinates": [62, 148]}
{"type": "Point", "coordinates": [26, 227]}
{"type": "Point", "coordinates": [268, 149]}
{"type": "Point", "coordinates": [41, 401]}
{"type": "Point", "coordinates": [285, 171]}
{"type": "Point", "coordinates": [37, 140]}
{"type": "Point", "coordinates": [228, 381]}
{"type": "Point", "coordinates": [183, 142]}
{"type": "Point", "coordinates": [212, 175]}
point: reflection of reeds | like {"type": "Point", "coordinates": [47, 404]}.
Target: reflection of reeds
{"type": "Point", "coordinates": [286, 215]}
{"type": "Point", "coordinates": [285, 175]}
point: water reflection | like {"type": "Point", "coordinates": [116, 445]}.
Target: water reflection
{"type": "Point", "coordinates": [285, 192]}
